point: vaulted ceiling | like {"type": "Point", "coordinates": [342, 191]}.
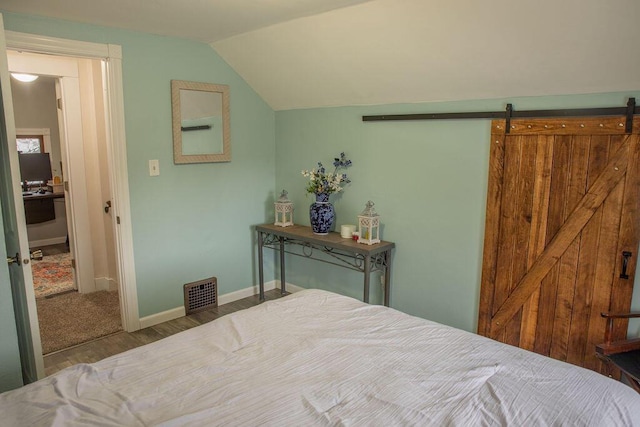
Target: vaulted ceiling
{"type": "Point", "coordinates": [316, 53]}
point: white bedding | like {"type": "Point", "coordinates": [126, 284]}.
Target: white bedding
{"type": "Point", "coordinates": [317, 358]}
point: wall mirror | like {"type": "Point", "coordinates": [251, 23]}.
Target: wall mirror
{"type": "Point", "coordinates": [201, 125]}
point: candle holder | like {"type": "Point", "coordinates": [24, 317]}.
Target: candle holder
{"type": "Point", "coordinates": [284, 210]}
{"type": "Point", "coordinates": [369, 225]}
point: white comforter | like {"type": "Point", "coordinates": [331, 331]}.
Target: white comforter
{"type": "Point", "coordinates": [316, 358]}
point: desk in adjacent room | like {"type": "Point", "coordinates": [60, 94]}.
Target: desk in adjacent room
{"type": "Point", "coordinates": [335, 249]}
{"type": "Point", "coordinates": [38, 207]}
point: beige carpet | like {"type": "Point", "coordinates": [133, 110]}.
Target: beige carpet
{"type": "Point", "coordinates": [72, 318]}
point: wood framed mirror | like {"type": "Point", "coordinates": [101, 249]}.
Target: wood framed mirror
{"type": "Point", "coordinates": [201, 123]}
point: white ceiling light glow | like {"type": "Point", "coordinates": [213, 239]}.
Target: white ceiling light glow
{"type": "Point", "coordinates": [27, 78]}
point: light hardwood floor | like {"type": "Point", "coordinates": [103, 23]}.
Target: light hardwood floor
{"type": "Point", "coordinates": [122, 341]}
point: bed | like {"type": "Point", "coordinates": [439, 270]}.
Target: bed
{"type": "Point", "coordinates": [317, 358]}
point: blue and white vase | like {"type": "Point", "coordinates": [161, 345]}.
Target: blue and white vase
{"type": "Point", "coordinates": [321, 214]}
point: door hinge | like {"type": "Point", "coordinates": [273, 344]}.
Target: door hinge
{"type": "Point", "coordinates": [59, 100]}
{"type": "Point", "coordinates": [117, 220]}
{"type": "Point", "coordinates": [73, 263]}
{"type": "Point", "coordinates": [14, 260]}
{"type": "Point", "coordinates": [66, 186]}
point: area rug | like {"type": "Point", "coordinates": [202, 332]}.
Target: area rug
{"type": "Point", "coordinates": [72, 318]}
{"type": "Point", "coordinates": [52, 274]}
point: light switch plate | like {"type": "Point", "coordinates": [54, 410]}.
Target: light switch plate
{"type": "Point", "coordinates": [154, 168]}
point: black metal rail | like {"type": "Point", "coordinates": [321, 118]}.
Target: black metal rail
{"type": "Point", "coordinates": [629, 111]}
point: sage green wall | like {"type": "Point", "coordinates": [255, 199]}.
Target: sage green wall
{"type": "Point", "coordinates": [428, 180]}
{"type": "Point", "coordinates": [192, 221]}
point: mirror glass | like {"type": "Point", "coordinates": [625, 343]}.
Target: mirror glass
{"type": "Point", "coordinates": [200, 122]}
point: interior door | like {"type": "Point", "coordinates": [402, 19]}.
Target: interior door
{"type": "Point", "coordinates": [15, 232]}
{"type": "Point", "coordinates": [561, 234]}
{"type": "Point", "coordinates": [71, 144]}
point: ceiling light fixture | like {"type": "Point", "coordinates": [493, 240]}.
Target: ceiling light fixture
{"type": "Point", "coordinates": [27, 78]}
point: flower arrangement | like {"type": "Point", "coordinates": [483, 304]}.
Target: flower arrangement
{"type": "Point", "coordinates": [322, 182]}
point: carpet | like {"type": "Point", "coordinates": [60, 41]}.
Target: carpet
{"type": "Point", "coordinates": [72, 318]}
{"type": "Point", "coordinates": [52, 274]}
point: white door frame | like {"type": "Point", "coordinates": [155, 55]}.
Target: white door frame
{"type": "Point", "coordinates": [117, 155]}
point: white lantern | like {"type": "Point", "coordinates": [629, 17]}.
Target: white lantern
{"type": "Point", "coordinates": [284, 210]}
{"type": "Point", "coordinates": [369, 225]}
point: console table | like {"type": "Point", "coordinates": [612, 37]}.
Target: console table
{"type": "Point", "coordinates": [331, 249]}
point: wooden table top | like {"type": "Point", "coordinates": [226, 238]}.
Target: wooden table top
{"type": "Point", "coordinates": [331, 240]}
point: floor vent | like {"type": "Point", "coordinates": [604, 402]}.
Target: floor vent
{"type": "Point", "coordinates": [201, 295]}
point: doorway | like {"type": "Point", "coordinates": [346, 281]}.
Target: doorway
{"type": "Point", "coordinates": [70, 234]}
{"type": "Point", "coordinates": [15, 231]}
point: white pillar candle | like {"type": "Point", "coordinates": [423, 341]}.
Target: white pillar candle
{"type": "Point", "coordinates": [346, 231]}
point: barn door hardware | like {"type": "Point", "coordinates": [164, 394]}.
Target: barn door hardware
{"type": "Point", "coordinates": [508, 113]}
{"type": "Point", "coordinates": [629, 111]}
{"type": "Point", "coordinates": [625, 263]}
{"type": "Point", "coordinates": [631, 107]}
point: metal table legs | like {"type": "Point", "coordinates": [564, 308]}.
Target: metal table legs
{"type": "Point", "coordinates": [260, 266]}
{"type": "Point", "coordinates": [363, 261]}
{"type": "Point", "coordinates": [283, 291]}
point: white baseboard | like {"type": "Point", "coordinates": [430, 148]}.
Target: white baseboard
{"type": "Point", "coordinates": [164, 316]}
{"type": "Point", "coordinates": [47, 242]}
{"type": "Point", "coordinates": [106, 284]}
{"type": "Point", "coordinates": [177, 312]}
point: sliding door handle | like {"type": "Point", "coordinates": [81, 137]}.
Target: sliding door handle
{"type": "Point", "coordinates": [625, 263]}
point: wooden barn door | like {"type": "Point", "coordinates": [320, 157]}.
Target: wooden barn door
{"type": "Point", "coordinates": [561, 235]}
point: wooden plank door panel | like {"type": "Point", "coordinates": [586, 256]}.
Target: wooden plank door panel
{"type": "Point", "coordinates": [555, 218]}
{"type": "Point", "coordinates": [539, 218]}
{"type": "Point", "coordinates": [598, 146]}
{"type": "Point", "coordinates": [492, 229]}
{"type": "Point", "coordinates": [575, 190]}
{"type": "Point", "coordinates": [606, 264]}
{"type": "Point", "coordinates": [561, 206]}
{"type": "Point", "coordinates": [566, 236]}
{"type": "Point", "coordinates": [622, 289]}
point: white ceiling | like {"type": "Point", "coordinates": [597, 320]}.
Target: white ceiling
{"type": "Point", "coordinates": [315, 53]}
{"type": "Point", "coordinates": [202, 20]}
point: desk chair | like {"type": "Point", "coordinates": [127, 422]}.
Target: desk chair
{"type": "Point", "coordinates": [624, 354]}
